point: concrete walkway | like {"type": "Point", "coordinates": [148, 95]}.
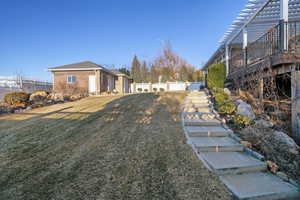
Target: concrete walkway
{"type": "Point", "coordinates": [244, 175]}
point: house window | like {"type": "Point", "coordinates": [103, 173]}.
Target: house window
{"type": "Point", "coordinates": [71, 79]}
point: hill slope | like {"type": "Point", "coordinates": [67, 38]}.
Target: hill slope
{"type": "Point", "coordinates": [129, 147]}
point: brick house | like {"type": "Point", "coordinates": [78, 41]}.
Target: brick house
{"type": "Point", "coordinates": [89, 77]}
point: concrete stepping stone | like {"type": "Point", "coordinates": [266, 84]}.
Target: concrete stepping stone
{"type": "Point", "coordinates": [203, 109]}
{"type": "Point", "coordinates": [206, 131]}
{"type": "Point", "coordinates": [197, 109]}
{"type": "Point", "coordinates": [244, 175]}
{"type": "Point", "coordinates": [212, 115]}
{"type": "Point", "coordinates": [197, 104]}
{"type": "Point", "coordinates": [260, 186]}
{"type": "Point", "coordinates": [233, 162]}
{"type": "Point", "coordinates": [216, 144]}
{"type": "Point", "coordinates": [202, 122]}
{"type": "Point", "coordinates": [197, 101]}
{"type": "Point", "coordinates": [197, 98]}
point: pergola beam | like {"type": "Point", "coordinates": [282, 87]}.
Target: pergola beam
{"type": "Point", "coordinates": [250, 19]}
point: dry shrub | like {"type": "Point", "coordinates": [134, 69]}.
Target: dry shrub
{"type": "Point", "coordinates": [70, 89]}
{"type": "Point", "coordinates": [17, 99]}
{"type": "Point", "coordinates": [39, 97]}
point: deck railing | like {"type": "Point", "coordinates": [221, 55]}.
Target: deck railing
{"type": "Point", "coordinates": [269, 44]}
{"type": "Point", "coordinates": [293, 36]}
{"type": "Point", "coordinates": [266, 45]}
{"type": "Point", "coordinates": [236, 61]}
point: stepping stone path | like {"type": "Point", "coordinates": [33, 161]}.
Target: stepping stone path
{"type": "Point", "coordinates": [245, 176]}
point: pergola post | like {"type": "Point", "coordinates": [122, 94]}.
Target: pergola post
{"type": "Point", "coordinates": [284, 18]}
{"type": "Point", "coordinates": [227, 58]}
{"type": "Point", "coordinates": [245, 44]}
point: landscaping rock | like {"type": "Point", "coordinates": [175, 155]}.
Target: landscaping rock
{"type": "Point", "coordinates": [272, 166]}
{"type": "Point", "coordinates": [227, 91]}
{"type": "Point", "coordinates": [246, 144]}
{"type": "Point", "coordinates": [283, 141]}
{"type": "Point", "coordinates": [245, 110]}
{"type": "Point", "coordinates": [4, 108]}
{"type": "Point", "coordinates": [239, 101]}
{"type": "Point", "coordinates": [265, 117]}
{"type": "Point", "coordinates": [75, 97]}
{"type": "Point", "coordinates": [283, 176]}
{"type": "Point", "coordinates": [276, 146]}
{"type": "Point", "coordinates": [28, 108]}
{"type": "Point", "coordinates": [56, 97]}
{"type": "Point", "coordinates": [292, 181]}
{"type": "Point", "coordinates": [264, 123]}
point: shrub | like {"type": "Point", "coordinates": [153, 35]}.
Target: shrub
{"type": "Point", "coordinates": [145, 90]}
{"type": "Point", "coordinates": [161, 89]}
{"type": "Point", "coordinates": [17, 99]}
{"type": "Point", "coordinates": [216, 75]}
{"type": "Point", "coordinates": [140, 89]}
{"type": "Point", "coordinates": [241, 120]}
{"type": "Point", "coordinates": [155, 89]}
{"type": "Point", "coordinates": [221, 98]}
{"type": "Point", "coordinates": [38, 96]}
{"type": "Point", "coordinates": [227, 108]}
{"type": "Point", "coordinates": [70, 89]}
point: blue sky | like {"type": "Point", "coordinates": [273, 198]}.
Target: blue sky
{"type": "Point", "coordinates": [37, 34]}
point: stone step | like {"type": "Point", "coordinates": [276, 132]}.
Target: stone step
{"type": "Point", "coordinates": [198, 105]}
{"type": "Point", "coordinates": [197, 93]}
{"type": "Point", "coordinates": [206, 131]}
{"type": "Point", "coordinates": [216, 144]}
{"type": "Point", "coordinates": [197, 101]}
{"type": "Point", "coordinates": [197, 97]}
{"type": "Point", "coordinates": [201, 122]}
{"type": "Point", "coordinates": [260, 186]}
{"type": "Point", "coordinates": [197, 109]}
{"type": "Point", "coordinates": [233, 162]}
{"type": "Point", "coordinates": [198, 113]}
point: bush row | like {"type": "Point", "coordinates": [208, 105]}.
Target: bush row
{"type": "Point", "coordinates": [21, 100]}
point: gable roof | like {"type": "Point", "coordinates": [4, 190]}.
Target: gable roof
{"type": "Point", "coordinates": [81, 66]}
{"type": "Point", "coordinates": [77, 66]}
{"type": "Point", "coordinates": [118, 73]}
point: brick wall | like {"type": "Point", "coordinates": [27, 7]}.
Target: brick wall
{"type": "Point", "coordinates": [82, 79]}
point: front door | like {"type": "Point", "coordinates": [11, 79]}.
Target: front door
{"type": "Point", "coordinates": [92, 84]}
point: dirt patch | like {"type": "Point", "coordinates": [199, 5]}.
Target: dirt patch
{"type": "Point", "coordinates": [129, 147]}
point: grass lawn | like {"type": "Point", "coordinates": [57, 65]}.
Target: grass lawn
{"type": "Point", "coordinates": [126, 147]}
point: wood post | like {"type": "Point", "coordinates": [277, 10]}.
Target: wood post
{"type": "Point", "coordinates": [296, 104]}
{"type": "Point", "coordinates": [261, 89]}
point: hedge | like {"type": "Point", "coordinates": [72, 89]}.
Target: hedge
{"type": "Point", "coordinates": [216, 75]}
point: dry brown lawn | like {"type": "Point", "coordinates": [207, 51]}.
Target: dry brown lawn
{"type": "Point", "coordinates": [129, 147]}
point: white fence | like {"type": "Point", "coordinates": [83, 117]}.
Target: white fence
{"type": "Point", "coordinates": [168, 86]}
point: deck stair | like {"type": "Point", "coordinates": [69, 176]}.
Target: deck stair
{"type": "Point", "coordinates": [245, 176]}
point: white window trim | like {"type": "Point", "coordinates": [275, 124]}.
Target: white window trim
{"type": "Point", "coordinates": [71, 79]}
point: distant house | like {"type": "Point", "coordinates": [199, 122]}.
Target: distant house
{"type": "Point", "coordinates": [89, 77]}
{"type": "Point", "coordinates": [122, 82]}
